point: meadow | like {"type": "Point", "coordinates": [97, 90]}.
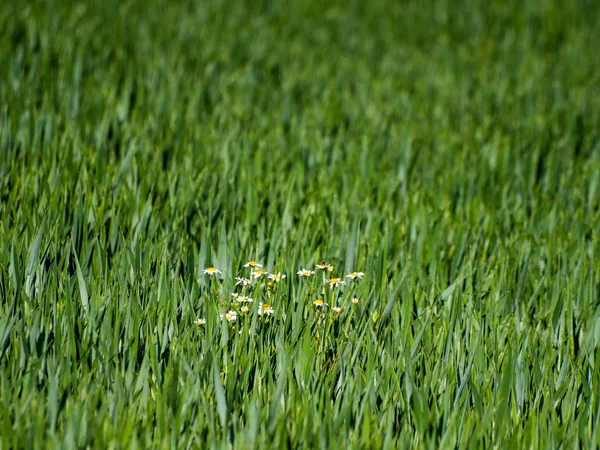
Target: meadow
{"type": "Point", "coordinates": [446, 151]}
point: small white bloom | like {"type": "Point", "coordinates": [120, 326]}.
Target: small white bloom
{"type": "Point", "coordinates": [335, 282]}
{"type": "Point", "coordinates": [252, 264]}
{"type": "Point", "coordinates": [263, 308]}
{"type": "Point", "coordinates": [305, 273]}
{"type": "Point", "coordinates": [211, 271]}
{"type": "Point", "coordinates": [276, 277]}
{"type": "Point", "coordinates": [200, 322]}
{"type": "Point", "coordinates": [257, 273]}
{"type": "Point", "coordinates": [243, 281]}
{"type": "Point", "coordinates": [324, 266]}
{"type": "Point", "coordinates": [336, 309]}
{"type": "Point", "coordinates": [229, 315]}
{"type": "Point", "coordinates": [355, 275]}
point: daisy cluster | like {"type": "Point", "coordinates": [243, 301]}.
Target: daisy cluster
{"type": "Point", "coordinates": [246, 286]}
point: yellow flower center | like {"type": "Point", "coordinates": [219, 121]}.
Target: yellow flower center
{"type": "Point", "coordinates": [334, 280]}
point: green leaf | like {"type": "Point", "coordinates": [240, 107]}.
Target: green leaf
{"type": "Point", "coordinates": [83, 293]}
{"type": "Point", "coordinates": [220, 394]}
{"type": "Point", "coordinates": [33, 262]}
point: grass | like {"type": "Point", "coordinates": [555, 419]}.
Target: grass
{"type": "Point", "coordinates": [448, 150]}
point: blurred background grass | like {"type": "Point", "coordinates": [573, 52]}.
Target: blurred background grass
{"type": "Point", "coordinates": [469, 106]}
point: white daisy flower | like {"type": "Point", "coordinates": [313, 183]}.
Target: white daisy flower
{"type": "Point", "coordinates": [324, 266]}
{"type": "Point", "coordinates": [276, 277]}
{"type": "Point", "coordinates": [263, 308]}
{"type": "Point", "coordinates": [335, 282]}
{"type": "Point", "coordinates": [252, 264]}
{"type": "Point", "coordinates": [243, 281]}
{"type": "Point", "coordinates": [257, 273]}
{"type": "Point", "coordinates": [229, 315]}
{"type": "Point", "coordinates": [305, 273]}
{"type": "Point", "coordinates": [355, 275]}
{"type": "Point", "coordinates": [212, 271]}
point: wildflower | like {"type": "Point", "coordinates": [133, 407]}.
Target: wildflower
{"type": "Point", "coordinates": [243, 281]}
{"type": "Point", "coordinates": [263, 308]}
{"type": "Point", "coordinates": [212, 271]}
{"type": "Point", "coordinates": [200, 322]}
{"type": "Point", "coordinates": [355, 275]}
{"type": "Point", "coordinates": [320, 303]}
{"type": "Point", "coordinates": [229, 315]}
{"type": "Point", "coordinates": [257, 273]}
{"type": "Point", "coordinates": [235, 295]}
{"type": "Point", "coordinates": [335, 282]}
{"type": "Point", "coordinates": [355, 301]}
{"type": "Point", "coordinates": [337, 309]}
{"type": "Point", "coordinates": [276, 277]}
{"type": "Point", "coordinates": [244, 309]}
{"type": "Point", "coordinates": [305, 273]}
{"type": "Point", "coordinates": [324, 266]}
{"type": "Point", "coordinates": [245, 299]}
{"type": "Point", "coordinates": [252, 264]}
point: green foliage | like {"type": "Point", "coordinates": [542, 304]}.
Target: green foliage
{"type": "Point", "coordinates": [450, 150]}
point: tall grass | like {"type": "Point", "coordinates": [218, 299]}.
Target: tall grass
{"type": "Point", "coordinates": [448, 150]}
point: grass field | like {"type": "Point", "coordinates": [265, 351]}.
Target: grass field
{"type": "Point", "coordinates": [450, 150]}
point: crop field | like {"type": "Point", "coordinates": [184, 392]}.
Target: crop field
{"type": "Point", "coordinates": [260, 224]}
